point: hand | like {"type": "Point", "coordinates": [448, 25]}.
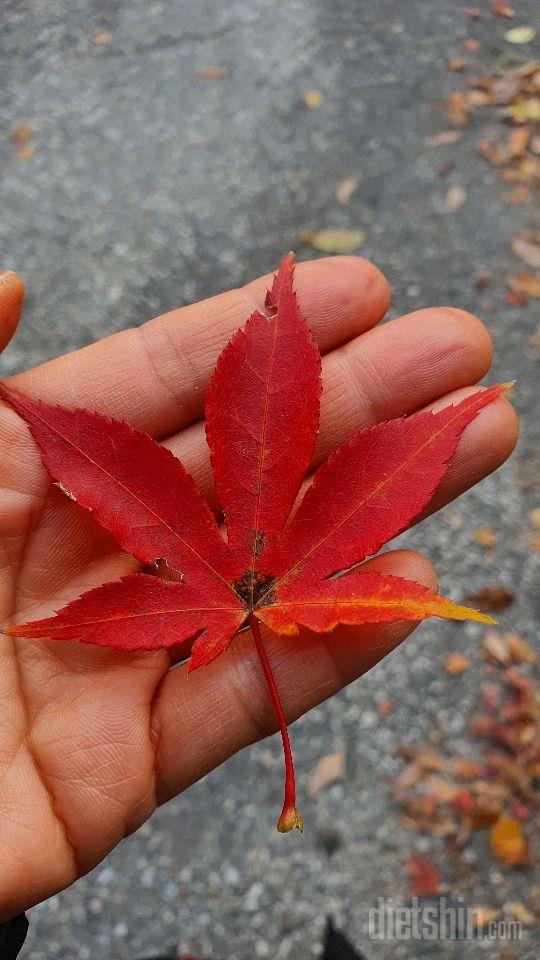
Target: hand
{"type": "Point", "coordinates": [92, 740]}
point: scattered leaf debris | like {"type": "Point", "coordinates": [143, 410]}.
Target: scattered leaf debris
{"type": "Point", "coordinates": [448, 795]}
{"type": "Point", "coordinates": [511, 143]}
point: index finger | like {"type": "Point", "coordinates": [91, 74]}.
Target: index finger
{"type": "Point", "coordinates": [155, 376]}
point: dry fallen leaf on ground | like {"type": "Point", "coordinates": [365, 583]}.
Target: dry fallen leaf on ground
{"type": "Point", "coordinates": [493, 154]}
{"type": "Point", "coordinates": [454, 199]}
{"type": "Point", "coordinates": [443, 139]}
{"type": "Point", "coordinates": [517, 142]}
{"type": "Point", "coordinates": [508, 843]}
{"type": "Point", "coordinates": [495, 644]}
{"type": "Point", "coordinates": [485, 537]}
{"type": "Point", "coordinates": [501, 9]}
{"type": "Point", "coordinates": [212, 73]}
{"type": "Point", "coordinates": [534, 516]}
{"type": "Point", "coordinates": [100, 39]}
{"type": "Point", "coordinates": [457, 108]}
{"type": "Point", "coordinates": [327, 771]}
{"type": "Point", "coordinates": [313, 99]}
{"type": "Point", "coordinates": [525, 283]}
{"type": "Point", "coordinates": [456, 663]}
{"type": "Point", "coordinates": [492, 598]}
{"type": "Point", "coordinates": [346, 188]}
{"type": "Point", "coordinates": [20, 136]}
{"type": "Point", "coordinates": [520, 35]}
{"type": "Point", "coordinates": [519, 649]}
{"type": "Point", "coordinates": [424, 876]}
{"type": "Point", "coordinates": [385, 707]}
{"type": "Point", "coordinates": [527, 246]}
{"type": "Point", "coordinates": [333, 240]}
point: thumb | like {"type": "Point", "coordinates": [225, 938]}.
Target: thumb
{"type": "Point", "coordinates": [11, 300]}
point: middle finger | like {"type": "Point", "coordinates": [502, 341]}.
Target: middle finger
{"type": "Point", "coordinates": [391, 371]}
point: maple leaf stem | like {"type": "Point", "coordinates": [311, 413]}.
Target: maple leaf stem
{"type": "Point", "coordinates": [290, 818]}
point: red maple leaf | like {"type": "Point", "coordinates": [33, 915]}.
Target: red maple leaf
{"type": "Point", "coordinates": [277, 566]}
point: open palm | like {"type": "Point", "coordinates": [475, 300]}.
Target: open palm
{"type": "Point", "coordinates": [92, 740]}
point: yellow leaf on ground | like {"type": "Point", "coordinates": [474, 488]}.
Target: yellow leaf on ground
{"type": "Point", "coordinates": [333, 240]}
{"type": "Point", "coordinates": [520, 35]}
{"type": "Point", "coordinates": [525, 110]}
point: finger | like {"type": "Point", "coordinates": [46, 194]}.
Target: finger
{"type": "Point", "coordinates": [191, 739]}
{"type": "Point", "coordinates": [393, 370]}
{"type": "Point", "coordinates": [11, 301]}
{"type": "Point", "coordinates": [156, 376]}
{"type": "Point", "coordinates": [485, 445]}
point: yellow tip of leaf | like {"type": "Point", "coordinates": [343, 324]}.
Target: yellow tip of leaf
{"type": "Point", "coordinates": [468, 613]}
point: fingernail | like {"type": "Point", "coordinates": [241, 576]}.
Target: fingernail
{"type": "Point", "coordinates": [6, 273]}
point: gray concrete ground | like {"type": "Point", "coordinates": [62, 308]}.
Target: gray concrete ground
{"type": "Point", "coordinates": [150, 188]}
